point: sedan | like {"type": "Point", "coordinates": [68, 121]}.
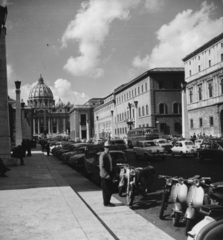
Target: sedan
{"type": "Point", "coordinates": [92, 166]}
{"type": "Point", "coordinates": [184, 148]}
{"type": "Point", "coordinates": [149, 150]}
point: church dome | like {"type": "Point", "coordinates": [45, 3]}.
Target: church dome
{"type": "Point", "coordinates": [41, 91]}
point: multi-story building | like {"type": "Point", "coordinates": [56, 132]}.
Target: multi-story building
{"type": "Point", "coordinates": [204, 89]}
{"type": "Point", "coordinates": [82, 119]}
{"type": "Point", "coordinates": [151, 99]}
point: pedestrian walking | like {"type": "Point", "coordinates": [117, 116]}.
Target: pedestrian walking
{"type": "Point", "coordinates": [28, 147]}
{"type": "Point", "coordinates": [47, 146]}
{"type": "Point", "coordinates": [106, 174]}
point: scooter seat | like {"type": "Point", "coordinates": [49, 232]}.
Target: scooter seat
{"type": "Point", "coordinates": [212, 210]}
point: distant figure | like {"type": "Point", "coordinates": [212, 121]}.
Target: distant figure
{"type": "Point", "coordinates": [47, 146]}
{"type": "Point", "coordinates": [3, 169]}
{"type": "Point", "coordinates": [23, 144]}
{"type": "Point", "coordinates": [28, 147]}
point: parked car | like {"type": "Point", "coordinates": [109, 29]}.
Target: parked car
{"type": "Point", "coordinates": [92, 166]}
{"type": "Point", "coordinates": [212, 150]}
{"type": "Point", "coordinates": [149, 150]}
{"type": "Point", "coordinates": [53, 145]}
{"type": "Point", "coordinates": [78, 160]}
{"type": "Point", "coordinates": [162, 142]}
{"type": "Point", "coordinates": [184, 148]}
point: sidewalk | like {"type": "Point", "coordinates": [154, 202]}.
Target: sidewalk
{"type": "Point", "coordinates": [47, 200]}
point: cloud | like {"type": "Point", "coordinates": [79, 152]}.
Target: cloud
{"type": "Point", "coordinates": [89, 29]}
{"type": "Point", "coordinates": [154, 6]}
{"type": "Point", "coordinates": [62, 90]}
{"type": "Point", "coordinates": [185, 33]}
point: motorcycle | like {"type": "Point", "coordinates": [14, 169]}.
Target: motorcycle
{"type": "Point", "coordinates": [176, 189]}
{"type": "Point", "coordinates": [211, 227]}
{"type": "Point", "coordinates": [139, 182]}
{"type": "Point", "coordinates": [195, 199]}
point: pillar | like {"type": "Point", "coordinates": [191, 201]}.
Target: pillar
{"type": "Point", "coordinates": [185, 120]}
{"type": "Point", "coordinates": [38, 126]}
{"type": "Point", "coordinates": [18, 121]}
{"type": "Point", "coordinates": [34, 126]}
{"type": "Point", "coordinates": [57, 125]}
{"type": "Point", "coordinates": [5, 143]}
{"type": "Point", "coordinates": [49, 130]}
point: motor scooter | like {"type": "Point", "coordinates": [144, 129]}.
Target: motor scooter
{"type": "Point", "coordinates": [195, 199]}
{"type": "Point", "coordinates": [211, 227]}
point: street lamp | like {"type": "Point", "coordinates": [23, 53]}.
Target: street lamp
{"type": "Point", "coordinates": [129, 121]}
{"type": "Point", "coordinates": [22, 104]}
{"type": "Point", "coordinates": [183, 86]}
{"type": "Point", "coordinates": [17, 85]}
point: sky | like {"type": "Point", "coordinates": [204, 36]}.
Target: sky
{"type": "Point", "coordinates": [86, 49]}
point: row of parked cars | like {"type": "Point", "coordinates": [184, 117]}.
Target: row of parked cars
{"type": "Point", "coordinates": [84, 157]}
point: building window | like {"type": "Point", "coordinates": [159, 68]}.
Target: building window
{"type": "Point", "coordinates": [147, 110]}
{"type": "Point", "coordinates": [199, 68]}
{"type": "Point", "coordinates": [200, 122]}
{"type": "Point", "coordinates": [133, 113]}
{"type": "Point", "coordinates": [135, 91]}
{"type": "Point", "coordinates": [222, 44]}
{"type": "Point", "coordinates": [190, 72]}
{"type": "Point", "coordinates": [191, 95]}
{"type": "Point", "coordinates": [175, 86]}
{"type": "Point", "coordinates": [221, 85]}
{"type": "Point", "coordinates": [139, 112]}
{"type": "Point", "coordinates": [129, 94]}
{"type": "Point", "coordinates": [162, 108]}
{"type": "Point", "coordinates": [146, 86]}
{"type": "Point", "coordinates": [176, 108]}
{"type": "Point", "coordinates": [138, 90]}
{"type": "Point", "coordinates": [211, 121]}
{"type": "Point", "coordinates": [132, 93]}
{"type": "Point", "coordinates": [143, 111]}
{"type": "Point", "coordinates": [200, 92]}
{"type": "Point", "coordinates": [209, 63]}
{"type": "Point", "coordinates": [142, 88]}
{"type": "Point", "coordinates": [191, 123]}
{"type": "Point", "coordinates": [210, 89]}
{"type": "Point", "coordinates": [222, 57]}
{"type": "Point", "coordinates": [198, 57]}
{"type": "Point", "coordinates": [177, 127]}
{"type": "Point", "coordinates": [189, 62]}
{"type": "Point", "coordinates": [160, 84]}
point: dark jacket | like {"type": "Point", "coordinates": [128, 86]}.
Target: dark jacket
{"type": "Point", "coordinates": [104, 165]}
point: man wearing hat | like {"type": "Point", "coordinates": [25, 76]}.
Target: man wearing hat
{"type": "Point", "coordinates": [106, 174]}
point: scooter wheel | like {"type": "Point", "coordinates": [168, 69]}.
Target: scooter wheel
{"type": "Point", "coordinates": [176, 219]}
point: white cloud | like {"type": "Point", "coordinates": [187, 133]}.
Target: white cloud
{"type": "Point", "coordinates": [154, 6]}
{"type": "Point", "coordinates": [89, 29]}
{"type": "Point", "coordinates": [62, 90]}
{"type": "Point", "coordinates": [185, 33]}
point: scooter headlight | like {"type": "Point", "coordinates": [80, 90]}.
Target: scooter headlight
{"type": "Point", "coordinates": [169, 182]}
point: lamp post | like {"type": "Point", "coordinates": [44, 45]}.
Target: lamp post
{"type": "Point", "coordinates": [136, 112]}
{"type": "Point", "coordinates": [112, 124]}
{"type": "Point", "coordinates": [129, 121]}
{"type": "Point", "coordinates": [185, 120]}
{"type": "Point", "coordinates": [18, 127]}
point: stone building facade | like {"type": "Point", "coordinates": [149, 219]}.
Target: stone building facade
{"type": "Point", "coordinates": [204, 90]}
{"type": "Point", "coordinates": [151, 99]}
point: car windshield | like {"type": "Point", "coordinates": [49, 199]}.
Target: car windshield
{"type": "Point", "coordinates": [119, 157]}
{"type": "Point", "coordinates": [189, 144]}
{"type": "Point", "coordinates": [162, 141]}
{"type": "Point", "coordinates": [149, 144]}
{"type": "Point", "coordinates": [118, 142]}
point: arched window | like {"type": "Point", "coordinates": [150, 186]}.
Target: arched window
{"type": "Point", "coordinates": [175, 108]}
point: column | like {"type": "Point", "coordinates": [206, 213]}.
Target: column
{"type": "Point", "coordinates": [64, 125]}
{"type": "Point", "coordinates": [136, 113]}
{"type": "Point", "coordinates": [5, 143]}
{"type": "Point", "coordinates": [44, 120]}
{"type": "Point", "coordinates": [88, 130]}
{"type": "Point", "coordinates": [38, 126]}
{"type": "Point", "coordinates": [18, 122]}
{"type": "Point", "coordinates": [34, 126]}
{"type": "Point", "coordinates": [49, 130]}
{"type": "Point", "coordinates": [185, 120]}
{"type": "Point", "coordinates": [112, 123]}
{"type": "Point", "coordinates": [57, 125]}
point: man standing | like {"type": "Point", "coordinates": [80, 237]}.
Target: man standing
{"type": "Point", "coordinates": [106, 174]}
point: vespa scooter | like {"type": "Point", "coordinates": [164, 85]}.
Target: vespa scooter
{"type": "Point", "coordinates": [195, 199]}
{"type": "Point", "coordinates": [211, 227]}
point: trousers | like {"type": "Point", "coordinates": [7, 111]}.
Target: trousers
{"type": "Point", "coordinates": [106, 185]}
